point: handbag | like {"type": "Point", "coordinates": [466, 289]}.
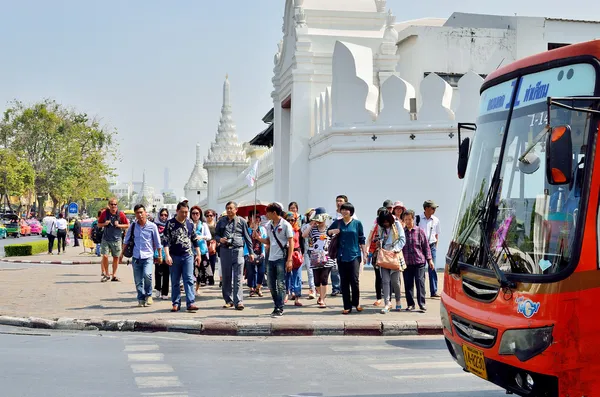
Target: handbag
{"type": "Point", "coordinates": [389, 259]}
{"type": "Point", "coordinates": [297, 259]}
{"type": "Point", "coordinates": [128, 252]}
{"type": "Point", "coordinates": [334, 245]}
{"type": "Point", "coordinates": [212, 247]}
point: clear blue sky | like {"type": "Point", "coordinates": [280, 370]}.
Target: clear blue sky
{"type": "Point", "coordinates": [154, 69]}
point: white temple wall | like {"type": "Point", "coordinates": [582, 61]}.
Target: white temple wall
{"type": "Point", "coordinates": [393, 168]}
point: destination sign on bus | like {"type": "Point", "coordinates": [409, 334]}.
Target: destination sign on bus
{"type": "Point", "coordinates": [571, 80]}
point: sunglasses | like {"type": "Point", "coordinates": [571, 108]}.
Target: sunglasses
{"type": "Point", "coordinates": [195, 213]}
{"type": "Point", "coordinates": [209, 215]}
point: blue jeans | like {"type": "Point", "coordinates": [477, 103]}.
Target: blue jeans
{"type": "Point", "coordinates": [97, 248]}
{"type": "Point", "coordinates": [142, 276]}
{"type": "Point", "coordinates": [255, 272]}
{"type": "Point", "coordinates": [293, 282]}
{"type": "Point", "coordinates": [336, 281]}
{"type": "Point", "coordinates": [432, 273]}
{"type": "Point", "coordinates": [183, 266]}
{"type": "Point", "coordinates": [276, 278]}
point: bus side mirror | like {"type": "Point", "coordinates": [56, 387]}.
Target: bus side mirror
{"type": "Point", "coordinates": [463, 157]}
{"type": "Point", "coordinates": [464, 146]}
{"type": "Point", "coordinates": [559, 156]}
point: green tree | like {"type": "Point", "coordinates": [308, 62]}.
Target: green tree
{"type": "Point", "coordinates": [70, 154]}
{"type": "Point", "coordinates": [16, 175]}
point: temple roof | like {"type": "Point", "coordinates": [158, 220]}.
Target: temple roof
{"type": "Point", "coordinates": [199, 177]}
{"type": "Point", "coordinates": [226, 148]}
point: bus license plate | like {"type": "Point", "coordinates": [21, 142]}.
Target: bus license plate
{"type": "Point", "coordinates": [475, 361]}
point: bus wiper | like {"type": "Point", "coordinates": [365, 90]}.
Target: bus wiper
{"type": "Point", "coordinates": [500, 276]}
{"type": "Point", "coordinates": [453, 267]}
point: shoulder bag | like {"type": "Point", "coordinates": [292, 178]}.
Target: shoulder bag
{"type": "Point", "coordinates": [284, 249]}
{"type": "Point", "coordinates": [389, 259]}
{"type": "Point", "coordinates": [334, 245]}
{"type": "Point", "coordinates": [128, 252]}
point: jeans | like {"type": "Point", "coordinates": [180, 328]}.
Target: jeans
{"type": "Point", "coordinates": [276, 277]}
{"type": "Point", "coordinates": [213, 266]}
{"type": "Point", "coordinates": [255, 271]}
{"type": "Point", "coordinates": [163, 272]}
{"type": "Point", "coordinates": [97, 248]}
{"type": "Point", "coordinates": [183, 266]}
{"type": "Point", "coordinates": [142, 277]}
{"type": "Point", "coordinates": [414, 274]}
{"type": "Point", "coordinates": [335, 279]}
{"type": "Point", "coordinates": [309, 272]}
{"type": "Point", "coordinates": [50, 242]}
{"type": "Point", "coordinates": [432, 273]}
{"type": "Point", "coordinates": [391, 281]}
{"type": "Point", "coordinates": [349, 272]}
{"type": "Point", "coordinates": [232, 272]}
{"type": "Point", "coordinates": [61, 235]}
{"type": "Point", "coordinates": [293, 282]}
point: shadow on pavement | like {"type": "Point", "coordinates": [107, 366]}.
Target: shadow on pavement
{"type": "Point", "coordinates": [418, 344]}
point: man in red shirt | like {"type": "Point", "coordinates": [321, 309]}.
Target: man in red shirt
{"type": "Point", "coordinates": [114, 222]}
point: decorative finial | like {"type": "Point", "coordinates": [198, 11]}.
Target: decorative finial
{"type": "Point", "coordinates": [380, 5]}
{"type": "Point", "coordinates": [299, 14]}
{"type": "Point", "coordinates": [226, 76]}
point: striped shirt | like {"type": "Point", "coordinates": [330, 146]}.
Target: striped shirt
{"type": "Point", "coordinates": [416, 250]}
{"type": "Point", "coordinates": [319, 244]}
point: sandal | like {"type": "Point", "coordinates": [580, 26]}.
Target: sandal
{"type": "Point", "coordinates": [104, 279]}
{"type": "Point", "coordinates": [175, 309]}
{"type": "Point", "coordinates": [228, 305]}
{"type": "Point", "coordinates": [259, 293]}
{"type": "Point", "coordinates": [252, 292]}
{"type": "Point", "coordinates": [298, 303]}
{"type": "Point", "coordinates": [377, 303]}
{"type": "Point", "coordinates": [359, 308]}
{"type": "Point", "coordinates": [322, 305]}
{"type": "Point", "coordinates": [346, 311]}
{"type": "Point", "coordinates": [115, 279]}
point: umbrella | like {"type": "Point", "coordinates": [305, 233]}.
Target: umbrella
{"type": "Point", "coordinates": [245, 207]}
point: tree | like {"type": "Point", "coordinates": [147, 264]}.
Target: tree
{"type": "Point", "coordinates": [69, 153]}
{"type": "Point", "coordinates": [16, 175]}
{"type": "Point", "coordinates": [169, 198]}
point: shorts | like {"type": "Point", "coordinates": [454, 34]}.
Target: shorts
{"type": "Point", "coordinates": [321, 276]}
{"type": "Point", "coordinates": [111, 248]}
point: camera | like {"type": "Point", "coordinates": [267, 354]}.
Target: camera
{"type": "Point", "coordinates": [230, 242]}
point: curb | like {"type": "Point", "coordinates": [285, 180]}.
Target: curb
{"type": "Point", "coordinates": [49, 262]}
{"type": "Point", "coordinates": [233, 328]}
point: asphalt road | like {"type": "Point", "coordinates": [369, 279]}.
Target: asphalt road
{"type": "Point", "coordinates": [52, 363]}
{"type": "Point", "coordinates": [20, 240]}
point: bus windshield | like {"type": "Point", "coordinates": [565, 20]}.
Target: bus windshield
{"type": "Point", "coordinates": [535, 225]}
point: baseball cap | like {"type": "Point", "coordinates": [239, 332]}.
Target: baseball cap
{"type": "Point", "coordinates": [388, 204]}
{"type": "Point", "coordinates": [320, 210]}
{"type": "Point", "coordinates": [430, 203]}
{"type": "Point", "coordinates": [183, 199]}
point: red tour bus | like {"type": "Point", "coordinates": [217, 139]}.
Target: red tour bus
{"type": "Point", "coordinates": [523, 273]}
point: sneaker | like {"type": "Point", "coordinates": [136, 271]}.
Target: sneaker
{"type": "Point", "coordinates": [410, 308]}
{"type": "Point", "coordinates": [311, 295]}
{"type": "Point", "coordinates": [149, 301]}
{"type": "Point", "coordinates": [335, 293]}
{"type": "Point", "coordinates": [423, 308]}
{"type": "Point", "coordinates": [386, 309]}
{"type": "Point", "coordinates": [141, 303]}
{"type": "Point", "coordinates": [192, 308]}
{"type": "Point", "coordinates": [164, 297]}
{"type": "Point", "coordinates": [398, 307]}
{"type": "Point", "coordinates": [277, 313]}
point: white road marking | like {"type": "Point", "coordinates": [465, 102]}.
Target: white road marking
{"type": "Point", "coordinates": [147, 382]}
{"type": "Point", "coordinates": [434, 376]}
{"type": "Point", "coordinates": [140, 348]}
{"type": "Point", "coordinates": [151, 368]}
{"type": "Point", "coordinates": [364, 348]}
{"type": "Point", "coordinates": [421, 365]}
{"type": "Point", "coordinates": [166, 394]}
{"type": "Point", "coordinates": [145, 357]}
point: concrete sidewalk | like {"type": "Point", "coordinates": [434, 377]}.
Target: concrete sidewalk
{"type": "Point", "coordinates": [74, 298]}
{"type": "Point", "coordinates": [72, 256]}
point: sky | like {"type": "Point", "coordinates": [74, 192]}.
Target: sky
{"type": "Point", "coordinates": [154, 69]}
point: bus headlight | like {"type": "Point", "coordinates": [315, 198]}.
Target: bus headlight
{"type": "Point", "coordinates": [525, 343]}
{"type": "Point", "coordinates": [445, 318]}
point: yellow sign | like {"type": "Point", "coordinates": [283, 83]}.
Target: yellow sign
{"type": "Point", "coordinates": [475, 361]}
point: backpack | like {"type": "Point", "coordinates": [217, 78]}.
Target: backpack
{"type": "Point", "coordinates": [418, 220]}
{"type": "Point", "coordinates": [97, 234]}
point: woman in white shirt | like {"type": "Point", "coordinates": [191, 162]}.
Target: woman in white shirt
{"type": "Point", "coordinates": [61, 232]}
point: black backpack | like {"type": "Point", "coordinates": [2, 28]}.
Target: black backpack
{"type": "Point", "coordinates": [97, 234]}
{"type": "Point", "coordinates": [418, 219]}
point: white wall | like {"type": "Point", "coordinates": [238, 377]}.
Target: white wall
{"type": "Point", "coordinates": [372, 176]}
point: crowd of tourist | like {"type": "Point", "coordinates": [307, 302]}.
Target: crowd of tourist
{"type": "Point", "coordinates": [192, 249]}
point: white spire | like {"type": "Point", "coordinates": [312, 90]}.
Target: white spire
{"type": "Point", "coordinates": [199, 177]}
{"type": "Point", "coordinates": [226, 147]}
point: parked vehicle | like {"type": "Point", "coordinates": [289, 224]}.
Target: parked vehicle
{"type": "Point", "coordinates": [2, 231]}
{"type": "Point", "coordinates": [11, 223]}
{"type": "Point", "coordinates": [25, 228]}
{"type": "Point", "coordinates": [35, 225]}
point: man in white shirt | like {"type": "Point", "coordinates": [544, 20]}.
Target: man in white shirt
{"type": "Point", "coordinates": [430, 224]}
{"type": "Point", "coordinates": [280, 240]}
{"type": "Point", "coordinates": [49, 223]}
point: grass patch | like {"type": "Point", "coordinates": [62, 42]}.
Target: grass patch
{"type": "Point", "coordinates": [26, 249]}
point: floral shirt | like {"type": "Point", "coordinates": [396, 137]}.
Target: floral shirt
{"type": "Point", "coordinates": [180, 237]}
